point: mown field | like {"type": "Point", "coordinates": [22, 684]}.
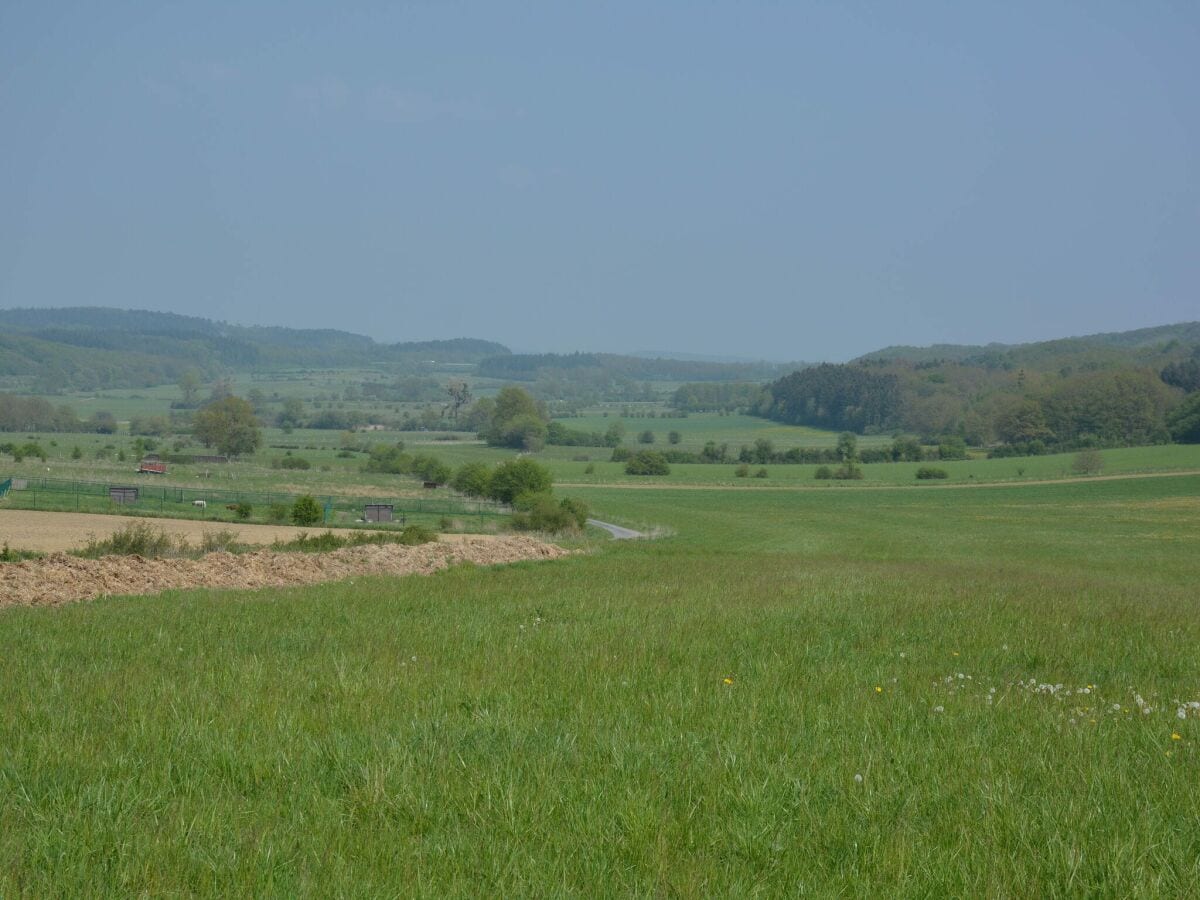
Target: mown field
{"type": "Point", "coordinates": [790, 693]}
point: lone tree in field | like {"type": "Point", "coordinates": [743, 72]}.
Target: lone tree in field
{"type": "Point", "coordinates": [1088, 462]}
{"type": "Point", "coordinates": [518, 421]}
{"type": "Point", "coordinates": [229, 425]}
{"type": "Point", "coordinates": [460, 396]}
{"type": "Point", "coordinates": [189, 385]}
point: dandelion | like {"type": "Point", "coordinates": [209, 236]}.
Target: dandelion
{"type": "Point", "coordinates": [955, 653]}
{"type": "Point", "coordinates": [1176, 736]}
{"type": "Point", "coordinates": [878, 689]}
{"type": "Point", "coordinates": [727, 680]}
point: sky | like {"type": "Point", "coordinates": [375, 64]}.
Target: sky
{"type": "Point", "coordinates": [776, 180]}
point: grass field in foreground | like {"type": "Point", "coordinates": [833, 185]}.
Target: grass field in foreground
{"type": "Point", "coordinates": [891, 693]}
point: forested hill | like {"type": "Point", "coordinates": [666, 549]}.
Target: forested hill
{"type": "Point", "coordinates": [86, 348]}
{"type": "Point", "coordinates": [1140, 346]}
{"type": "Point", "coordinates": [532, 366]}
{"type": "Point", "coordinates": [1111, 389]}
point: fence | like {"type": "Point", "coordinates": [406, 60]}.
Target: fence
{"type": "Point", "coordinates": [219, 502]}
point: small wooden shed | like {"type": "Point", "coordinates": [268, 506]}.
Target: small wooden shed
{"type": "Point", "coordinates": [378, 512]}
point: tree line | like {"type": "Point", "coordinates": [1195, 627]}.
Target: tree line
{"type": "Point", "coordinates": [1013, 412]}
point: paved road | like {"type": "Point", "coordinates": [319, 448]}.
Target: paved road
{"type": "Point", "coordinates": [618, 533]}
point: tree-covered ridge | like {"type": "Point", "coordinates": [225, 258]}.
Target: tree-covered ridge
{"type": "Point", "coordinates": [1142, 345]}
{"type": "Point", "coordinates": [87, 348]}
{"type": "Point", "coordinates": [531, 366]}
{"type": "Point", "coordinates": [842, 398]}
{"type": "Point", "coordinates": [1027, 411]}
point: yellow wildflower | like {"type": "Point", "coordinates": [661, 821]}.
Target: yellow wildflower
{"type": "Point", "coordinates": [728, 680]}
{"type": "Point", "coordinates": [1176, 736]}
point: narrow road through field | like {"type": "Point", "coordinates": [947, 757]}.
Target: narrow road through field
{"type": "Point", "coordinates": [618, 532]}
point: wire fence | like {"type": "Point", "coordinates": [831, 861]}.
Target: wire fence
{"type": "Point", "coordinates": [224, 503]}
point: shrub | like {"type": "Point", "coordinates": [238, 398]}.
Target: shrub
{"type": "Point", "coordinates": [294, 462]}
{"type": "Point", "coordinates": [417, 534]}
{"type": "Point", "coordinates": [742, 471]}
{"type": "Point", "coordinates": [243, 510]}
{"type": "Point", "coordinates": [621, 454]}
{"type": "Point", "coordinates": [518, 476]}
{"type": "Point", "coordinates": [823, 473]}
{"type": "Point", "coordinates": [848, 472]}
{"type": "Point", "coordinates": [24, 450]}
{"type": "Point", "coordinates": [278, 512]}
{"type": "Point", "coordinates": [539, 512]}
{"type": "Point", "coordinates": [761, 473]}
{"type": "Point", "coordinates": [7, 554]}
{"type": "Point", "coordinates": [674, 437]}
{"type": "Point", "coordinates": [473, 479]}
{"type": "Point", "coordinates": [135, 539]}
{"type": "Point", "coordinates": [646, 437]}
{"type": "Point", "coordinates": [224, 541]}
{"type": "Point", "coordinates": [647, 462]}
{"type": "Point", "coordinates": [952, 447]}
{"type": "Point", "coordinates": [389, 460]}
{"type": "Point", "coordinates": [589, 469]}
{"type": "Point", "coordinates": [306, 510]}
{"type": "Point", "coordinates": [431, 469]}
{"type": "Point", "coordinates": [577, 509]}
{"type": "Point", "coordinates": [926, 473]}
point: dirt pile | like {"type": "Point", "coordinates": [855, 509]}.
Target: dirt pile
{"type": "Point", "coordinates": [62, 579]}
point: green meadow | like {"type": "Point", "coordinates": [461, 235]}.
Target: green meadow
{"type": "Point", "coordinates": [900, 692]}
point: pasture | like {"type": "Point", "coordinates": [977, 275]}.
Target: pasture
{"type": "Point", "coordinates": [904, 692]}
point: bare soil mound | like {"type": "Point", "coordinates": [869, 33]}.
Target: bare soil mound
{"type": "Point", "coordinates": [59, 579]}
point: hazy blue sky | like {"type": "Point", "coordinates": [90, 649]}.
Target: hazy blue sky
{"type": "Point", "coordinates": [784, 180]}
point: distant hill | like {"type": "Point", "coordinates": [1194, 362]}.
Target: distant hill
{"type": "Point", "coordinates": [1102, 389]}
{"type": "Point", "coordinates": [1145, 346]}
{"type": "Point", "coordinates": [532, 366]}
{"type": "Point", "coordinates": [87, 348]}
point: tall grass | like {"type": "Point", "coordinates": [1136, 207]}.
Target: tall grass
{"type": "Point", "coordinates": [934, 694]}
